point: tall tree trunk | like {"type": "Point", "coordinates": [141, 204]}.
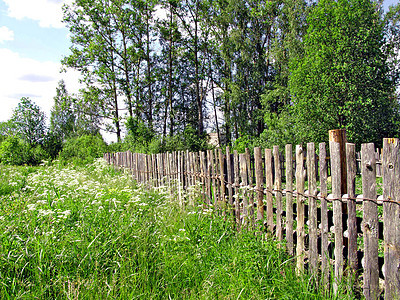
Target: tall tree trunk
{"type": "Point", "coordinates": [197, 79]}
{"type": "Point", "coordinates": [170, 74]}
{"type": "Point", "coordinates": [149, 80]}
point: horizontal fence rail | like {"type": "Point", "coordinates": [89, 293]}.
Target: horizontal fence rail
{"type": "Point", "coordinates": [298, 196]}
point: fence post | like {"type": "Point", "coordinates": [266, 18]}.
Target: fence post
{"type": "Point", "coordinates": [337, 211]}
{"type": "Point", "coordinates": [391, 217]}
{"type": "Point", "coordinates": [370, 222]}
{"type": "Point", "coordinates": [312, 215]}
{"type": "Point", "coordinates": [259, 183]}
{"type": "Point", "coordinates": [323, 174]}
{"type": "Point", "coordinates": [222, 177]}
{"type": "Point", "coordinates": [351, 207]}
{"type": "Point", "coordinates": [278, 191]}
{"type": "Point", "coordinates": [300, 178]}
{"type": "Point", "coordinates": [289, 198]}
{"type": "Point", "coordinates": [269, 187]}
{"type": "Point", "coordinates": [229, 172]}
{"type": "Point", "coordinates": [237, 184]}
{"type": "Point", "coordinates": [244, 183]}
{"type": "Point", "coordinates": [250, 184]}
{"type": "Point", "coordinates": [339, 136]}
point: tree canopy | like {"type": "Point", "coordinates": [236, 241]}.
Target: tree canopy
{"type": "Point", "coordinates": [275, 72]}
{"type": "Point", "coordinates": [343, 79]}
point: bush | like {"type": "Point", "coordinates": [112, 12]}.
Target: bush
{"type": "Point", "coordinates": [83, 149]}
{"type": "Point", "coordinates": [14, 151]}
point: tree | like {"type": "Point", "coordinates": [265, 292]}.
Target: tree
{"type": "Point", "coordinates": [62, 116]}
{"type": "Point", "coordinates": [392, 30]}
{"type": "Point", "coordinates": [30, 122]}
{"type": "Point", "coordinates": [342, 81]}
{"type": "Point", "coordinates": [94, 53]}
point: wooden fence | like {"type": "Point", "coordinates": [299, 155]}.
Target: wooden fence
{"type": "Point", "coordinates": [356, 232]}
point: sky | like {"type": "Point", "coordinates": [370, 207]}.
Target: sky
{"type": "Point", "coordinates": [33, 40]}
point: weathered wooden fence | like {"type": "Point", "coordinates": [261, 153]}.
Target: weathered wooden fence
{"type": "Point", "coordinates": [355, 231]}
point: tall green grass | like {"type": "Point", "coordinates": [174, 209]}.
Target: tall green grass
{"type": "Point", "coordinates": [91, 233]}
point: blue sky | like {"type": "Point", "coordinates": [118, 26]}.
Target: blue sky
{"type": "Point", "coordinates": [33, 40]}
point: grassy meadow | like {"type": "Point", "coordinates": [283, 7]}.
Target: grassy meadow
{"type": "Point", "coordinates": [70, 232]}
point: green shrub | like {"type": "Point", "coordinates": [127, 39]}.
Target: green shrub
{"type": "Point", "coordinates": [83, 149]}
{"type": "Point", "coordinates": [14, 151]}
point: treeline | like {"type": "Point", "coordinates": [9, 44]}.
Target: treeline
{"type": "Point", "coordinates": [27, 139]}
{"type": "Point", "coordinates": [254, 71]}
{"type": "Point", "coordinates": [71, 136]}
{"type": "Point", "coordinates": [161, 74]}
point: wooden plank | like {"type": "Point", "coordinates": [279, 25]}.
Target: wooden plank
{"type": "Point", "coordinates": [259, 184]}
{"type": "Point", "coordinates": [237, 184]}
{"type": "Point", "coordinates": [218, 178]}
{"type": "Point", "coordinates": [312, 214]}
{"type": "Point", "coordinates": [337, 211]}
{"type": "Point", "coordinates": [278, 195]}
{"type": "Point", "coordinates": [213, 175]}
{"type": "Point", "coordinates": [209, 174]}
{"type": "Point", "coordinates": [289, 198]}
{"type": "Point", "coordinates": [149, 169]}
{"type": "Point", "coordinates": [230, 179]}
{"type": "Point", "coordinates": [370, 224]}
{"type": "Point", "coordinates": [323, 174]}
{"type": "Point", "coordinates": [195, 168]}
{"type": "Point", "coordinates": [300, 178]}
{"type": "Point", "coordinates": [339, 136]}
{"type": "Point", "coordinates": [244, 185]}
{"type": "Point", "coordinates": [203, 166]}
{"type": "Point", "coordinates": [222, 178]}
{"type": "Point", "coordinates": [351, 208]}
{"type": "Point", "coordinates": [250, 183]}
{"type": "Point", "coordinates": [391, 217]}
{"type": "Point", "coordinates": [269, 187]}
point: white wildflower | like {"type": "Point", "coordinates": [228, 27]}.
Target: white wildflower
{"type": "Point", "coordinates": [31, 206]}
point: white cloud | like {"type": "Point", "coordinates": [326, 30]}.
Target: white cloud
{"type": "Point", "coordinates": [6, 34]}
{"type": "Point", "coordinates": [47, 12]}
{"type": "Point", "coordinates": [26, 77]}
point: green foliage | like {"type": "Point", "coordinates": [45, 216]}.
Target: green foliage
{"type": "Point", "coordinates": [52, 144]}
{"type": "Point", "coordinates": [7, 129]}
{"type": "Point", "coordinates": [83, 149]}
{"type": "Point", "coordinates": [342, 81]}
{"type": "Point", "coordinates": [15, 151]}
{"type": "Point", "coordinates": [280, 130]}
{"type": "Point", "coordinates": [188, 140]}
{"type": "Point", "coordinates": [62, 118]}
{"type": "Point", "coordinates": [29, 122]}
{"type": "Point", "coordinates": [139, 135]}
{"type": "Point", "coordinates": [242, 143]}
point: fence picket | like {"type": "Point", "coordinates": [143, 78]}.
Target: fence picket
{"type": "Point", "coordinates": [323, 174]}
{"type": "Point", "coordinates": [259, 183]}
{"type": "Point", "coordinates": [269, 187]}
{"type": "Point", "coordinates": [300, 179]}
{"type": "Point", "coordinates": [278, 191]}
{"type": "Point", "coordinates": [244, 183]}
{"type": "Point", "coordinates": [250, 184]}
{"type": "Point", "coordinates": [351, 208]}
{"type": "Point", "coordinates": [229, 176]}
{"type": "Point", "coordinates": [289, 198]}
{"type": "Point", "coordinates": [391, 219]}
{"type": "Point", "coordinates": [370, 222]}
{"type": "Point", "coordinates": [237, 183]}
{"type": "Point", "coordinates": [312, 215]}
